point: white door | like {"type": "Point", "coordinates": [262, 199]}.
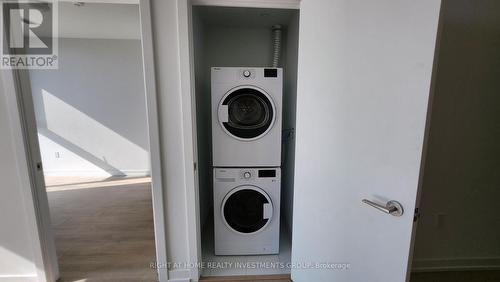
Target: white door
{"type": "Point", "coordinates": [363, 89]}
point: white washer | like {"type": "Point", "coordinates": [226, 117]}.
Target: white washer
{"type": "Point", "coordinates": [246, 116]}
{"type": "Point", "coordinates": [246, 211]}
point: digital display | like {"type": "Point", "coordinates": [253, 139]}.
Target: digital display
{"type": "Point", "coordinates": [270, 72]}
{"type": "Point", "coordinates": [267, 173]}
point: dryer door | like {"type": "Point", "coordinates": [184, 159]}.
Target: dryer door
{"type": "Point", "coordinates": [246, 113]}
{"type": "Point", "coordinates": [247, 209]}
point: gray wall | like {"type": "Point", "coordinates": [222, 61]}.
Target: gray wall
{"type": "Point", "coordinates": [289, 109]}
{"type": "Point", "coordinates": [203, 119]}
{"type": "Point", "coordinates": [460, 225]}
{"type": "Point", "coordinates": [233, 46]}
{"type": "Point", "coordinates": [91, 112]}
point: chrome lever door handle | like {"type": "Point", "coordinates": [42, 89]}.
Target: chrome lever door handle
{"type": "Point", "coordinates": [392, 207]}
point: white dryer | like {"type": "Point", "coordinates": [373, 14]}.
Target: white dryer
{"type": "Point", "coordinates": [246, 116]}
{"type": "Point", "coordinates": [246, 211]}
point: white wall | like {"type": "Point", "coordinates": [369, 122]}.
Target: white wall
{"type": "Point", "coordinates": [99, 20]}
{"type": "Point", "coordinates": [460, 226]}
{"type": "Point", "coordinates": [91, 112]}
{"type": "Point", "coordinates": [19, 248]}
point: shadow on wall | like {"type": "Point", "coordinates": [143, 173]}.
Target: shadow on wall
{"type": "Point", "coordinates": [84, 144]}
{"type": "Point", "coordinates": [85, 155]}
{"type": "Point", "coordinates": [91, 112]}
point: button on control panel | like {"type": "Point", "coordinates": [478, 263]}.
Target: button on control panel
{"type": "Point", "coordinates": [247, 175]}
{"type": "Point", "coordinates": [247, 73]}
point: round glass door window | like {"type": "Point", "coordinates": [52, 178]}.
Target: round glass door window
{"type": "Point", "coordinates": [246, 113]}
{"type": "Point", "coordinates": [247, 209]}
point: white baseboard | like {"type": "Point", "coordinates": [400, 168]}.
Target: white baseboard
{"type": "Point", "coordinates": [19, 278]}
{"type": "Point", "coordinates": [179, 275]}
{"type": "Point", "coordinates": [93, 173]}
{"type": "Point", "coordinates": [70, 173]}
{"type": "Point", "coordinates": [456, 264]}
{"type": "Point", "coordinates": [137, 173]}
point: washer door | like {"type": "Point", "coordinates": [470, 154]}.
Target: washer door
{"type": "Point", "coordinates": [246, 113]}
{"type": "Point", "coordinates": [247, 209]}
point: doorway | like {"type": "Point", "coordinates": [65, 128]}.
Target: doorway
{"type": "Point", "coordinates": [89, 127]}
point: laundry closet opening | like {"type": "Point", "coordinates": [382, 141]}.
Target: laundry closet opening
{"type": "Point", "coordinates": [245, 65]}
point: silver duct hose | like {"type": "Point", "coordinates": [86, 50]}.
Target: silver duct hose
{"type": "Point", "coordinates": [276, 45]}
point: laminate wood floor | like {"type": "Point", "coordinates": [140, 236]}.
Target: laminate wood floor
{"type": "Point", "coordinates": [249, 278]}
{"type": "Point", "coordinates": [104, 232]}
{"type": "Point", "coordinates": [457, 276]}
{"type": "Point", "coordinates": [444, 276]}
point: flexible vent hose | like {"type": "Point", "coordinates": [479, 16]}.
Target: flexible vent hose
{"type": "Point", "coordinates": [276, 45]}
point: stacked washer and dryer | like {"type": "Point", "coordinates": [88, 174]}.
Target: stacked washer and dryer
{"type": "Point", "coordinates": [246, 152]}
